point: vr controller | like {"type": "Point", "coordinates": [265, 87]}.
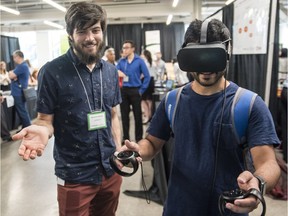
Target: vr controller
{"type": "Point", "coordinates": [126, 158]}
{"type": "Point", "coordinates": [231, 196]}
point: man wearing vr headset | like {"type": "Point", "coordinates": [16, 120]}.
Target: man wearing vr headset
{"type": "Point", "coordinates": [206, 158]}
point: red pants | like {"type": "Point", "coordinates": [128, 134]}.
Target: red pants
{"type": "Point", "coordinates": [90, 200]}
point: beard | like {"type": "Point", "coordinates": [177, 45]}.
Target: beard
{"type": "Point", "coordinates": [208, 83]}
{"type": "Point", "coordinates": [85, 57]}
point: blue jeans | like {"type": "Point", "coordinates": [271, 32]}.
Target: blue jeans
{"type": "Point", "coordinates": [20, 106]}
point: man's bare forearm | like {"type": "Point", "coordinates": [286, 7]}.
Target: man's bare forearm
{"type": "Point", "coordinates": [116, 132]}
{"type": "Point", "coordinates": [46, 121]}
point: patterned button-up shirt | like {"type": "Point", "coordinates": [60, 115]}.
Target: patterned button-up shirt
{"type": "Point", "coordinates": [81, 156]}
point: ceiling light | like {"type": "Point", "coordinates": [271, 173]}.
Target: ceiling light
{"type": "Point", "coordinates": [54, 4]}
{"type": "Point", "coordinates": [175, 3]}
{"type": "Point", "coordinates": [53, 24]}
{"type": "Point", "coordinates": [9, 10]}
{"type": "Point", "coordinates": [169, 19]}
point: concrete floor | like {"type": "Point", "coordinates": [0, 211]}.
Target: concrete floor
{"type": "Point", "coordinates": [29, 188]}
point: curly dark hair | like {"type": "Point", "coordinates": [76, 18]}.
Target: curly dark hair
{"type": "Point", "coordinates": [216, 31]}
{"type": "Point", "coordinates": [83, 15]}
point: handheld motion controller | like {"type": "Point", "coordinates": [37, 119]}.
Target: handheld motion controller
{"type": "Point", "coordinates": [127, 158]}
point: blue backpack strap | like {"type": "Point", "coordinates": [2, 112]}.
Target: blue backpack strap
{"type": "Point", "coordinates": [171, 102]}
{"type": "Point", "coordinates": [240, 112]}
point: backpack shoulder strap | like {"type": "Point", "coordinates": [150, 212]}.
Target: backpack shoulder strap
{"type": "Point", "coordinates": [171, 102]}
{"type": "Point", "coordinates": [240, 112]}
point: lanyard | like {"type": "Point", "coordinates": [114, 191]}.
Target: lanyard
{"type": "Point", "coordinates": [101, 90]}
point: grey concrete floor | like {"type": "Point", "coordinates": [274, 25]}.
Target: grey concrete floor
{"type": "Point", "coordinates": [28, 188]}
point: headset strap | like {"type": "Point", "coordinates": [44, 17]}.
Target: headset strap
{"type": "Point", "coordinates": [203, 37]}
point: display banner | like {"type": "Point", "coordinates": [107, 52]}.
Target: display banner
{"type": "Point", "coordinates": [250, 29]}
{"type": "Point", "coordinates": [152, 41]}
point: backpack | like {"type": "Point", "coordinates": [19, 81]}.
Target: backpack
{"type": "Point", "coordinates": [240, 111]}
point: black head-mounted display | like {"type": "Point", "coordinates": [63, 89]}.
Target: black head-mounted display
{"type": "Point", "coordinates": [203, 56]}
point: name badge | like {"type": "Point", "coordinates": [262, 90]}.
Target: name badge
{"type": "Point", "coordinates": [126, 79]}
{"type": "Point", "coordinates": [96, 120]}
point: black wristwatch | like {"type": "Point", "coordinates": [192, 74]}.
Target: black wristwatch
{"type": "Point", "coordinates": [262, 184]}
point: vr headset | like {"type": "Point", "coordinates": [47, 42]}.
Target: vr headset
{"type": "Point", "coordinates": [203, 56]}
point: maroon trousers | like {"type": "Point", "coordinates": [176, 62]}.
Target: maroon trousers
{"type": "Point", "coordinates": [90, 200]}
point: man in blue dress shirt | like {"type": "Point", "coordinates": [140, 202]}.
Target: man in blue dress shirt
{"type": "Point", "coordinates": [134, 68]}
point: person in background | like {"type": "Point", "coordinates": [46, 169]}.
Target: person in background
{"type": "Point", "coordinates": [206, 159]}
{"type": "Point", "coordinates": [77, 96]}
{"type": "Point", "coordinates": [31, 69]}
{"type": "Point", "coordinates": [33, 74]}
{"type": "Point", "coordinates": [147, 109]}
{"type": "Point", "coordinates": [180, 76]}
{"type": "Point", "coordinates": [110, 55]}
{"type": "Point", "coordinates": [29, 65]}
{"type": "Point", "coordinates": [134, 67]}
{"type": "Point", "coordinates": [282, 104]}
{"type": "Point", "coordinates": [147, 97]}
{"type": "Point", "coordinates": [33, 80]}
{"type": "Point", "coordinates": [19, 77]}
{"type": "Point", "coordinates": [4, 77]}
{"type": "Point", "coordinates": [104, 50]}
{"type": "Point", "coordinates": [283, 65]}
{"type": "Point", "coordinates": [5, 133]}
{"type": "Point", "coordinates": [160, 68]}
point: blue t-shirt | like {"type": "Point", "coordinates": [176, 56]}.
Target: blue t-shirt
{"type": "Point", "coordinates": [23, 74]}
{"type": "Point", "coordinates": [81, 156]}
{"type": "Point", "coordinates": [134, 70]}
{"type": "Point", "coordinates": [196, 127]}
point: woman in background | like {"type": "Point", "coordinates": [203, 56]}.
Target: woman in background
{"type": "Point", "coordinates": [4, 77]}
{"type": "Point", "coordinates": [147, 97]}
{"type": "Point", "coordinates": [181, 77]}
{"type": "Point", "coordinates": [33, 80]}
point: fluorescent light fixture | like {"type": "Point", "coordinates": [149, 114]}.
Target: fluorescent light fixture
{"type": "Point", "coordinates": [54, 4]}
{"type": "Point", "coordinates": [175, 3]}
{"type": "Point", "coordinates": [169, 19]}
{"type": "Point", "coordinates": [229, 2]}
{"type": "Point", "coordinates": [9, 10]}
{"type": "Point", "coordinates": [53, 24]}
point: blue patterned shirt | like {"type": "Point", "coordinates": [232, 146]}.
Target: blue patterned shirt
{"type": "Point", "coordinates": [81, 156]}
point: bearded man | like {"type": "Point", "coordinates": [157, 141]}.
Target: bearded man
{"type": "Point", "coordinates": [77, 96]}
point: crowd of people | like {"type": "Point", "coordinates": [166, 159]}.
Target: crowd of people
{"type": "Point", "coordinates": [81, 114]}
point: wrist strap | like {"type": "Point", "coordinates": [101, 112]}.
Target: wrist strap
{"type": "Point", "coordinates": [251, 192]}
{"type": "Point", "coordinates": [256, 193]}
